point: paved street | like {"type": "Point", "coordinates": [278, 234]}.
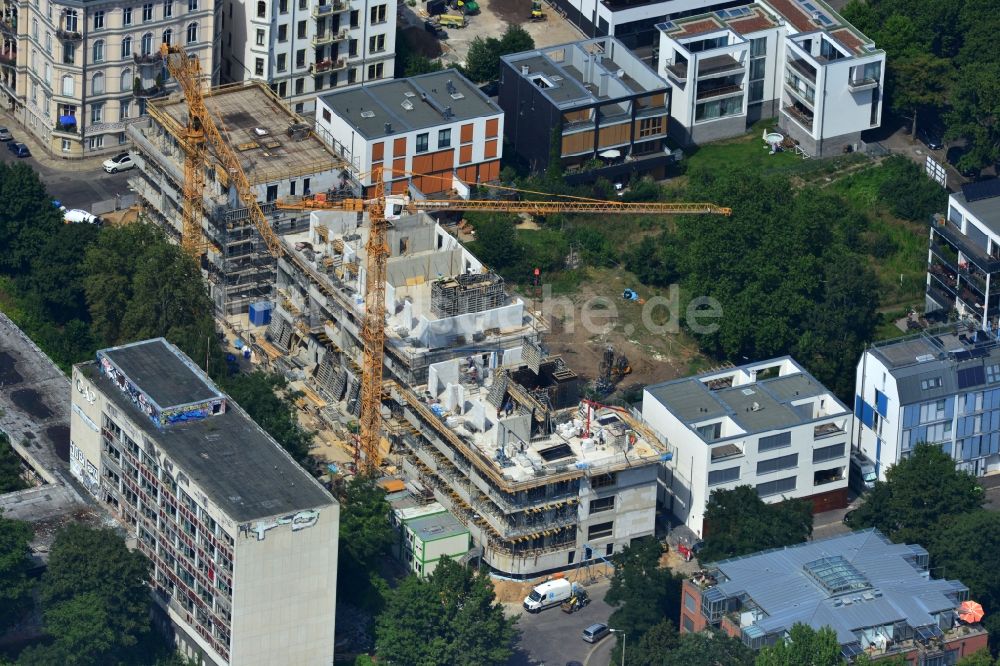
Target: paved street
{"type": "Point", "coordinates": [552, 638]}
{"type": "Point", "coordinates": [76, 183]}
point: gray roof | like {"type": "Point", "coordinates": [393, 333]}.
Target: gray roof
{"type": "Point", "coordinates": [436, 526]}
{"type": "Point", "coordinates": [943, 359]}
{"type": "Point", "coordinates": [418, 102]}
{"type": "Point", "coordinates": [884, 583]}
{"type": "Point", "coordinates": [756, 407]}
{"type": "Point", "coordinates": [986, 209]}
{"type": "Point", "coordinates": [164, 373]}
{"type": "Point", "coordinates": [238, 465]}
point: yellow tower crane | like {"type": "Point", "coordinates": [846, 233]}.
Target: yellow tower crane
{"type": "Point", "coordinates": [202, 130]}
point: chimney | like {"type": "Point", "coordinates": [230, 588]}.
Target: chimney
{"type": "Point", "coordinates": [524, 70]}
{"type": "Point", "coordinates": [388, 128]}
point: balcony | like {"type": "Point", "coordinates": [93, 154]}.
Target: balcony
{"type": "Point", "coordinates": [147, 58]}
{"type": "Point", "coordinates": [972, 278]}
{"type": "Point", "coordinates": [678, 72]}
{"type": "Point", "coordinates": [329, 9]}
{"type": "Point", "coordinates": [827, 430]}
{"type": "Point", "coordinates": [329, 38]}
{"type": "Point", "coordinates": [66, 128]}
{"type": "Point", "coordinates": [8, 58]}
{"type": "Point", "coordinates": [940, 296]}
{"type": "Point", "coordinates": [8, 26]}
{"type": "Point", "coordinates": [718, 65]}
{"type": "Point", "coordinates": [69, 35]}
{"type": "Point", "coordinates": [948, 281]}
{"type": "Point", "coordinates": [802, 68]}
{"type": "Point", "coordinates": [861, 85]}
{"type": "Point", "coordinates": [721, 91]}
{"type": "Point", "coordinates": [972, 253]}
{"type": "Point", "coordinates": [146, 93]}
{"type": "Point", "coordinates": [973, 302]}
{"type": "Point", "coordinates": [801, 116]}
{"type": "Point", "coordinates": [327, 65]}
{"type": "Point", "coordinates": [802, 97]}
{"type": "Point", "coordinates": [946, 254]}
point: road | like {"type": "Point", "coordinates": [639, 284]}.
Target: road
{"type": "Point", "coordinates": [552, 638]}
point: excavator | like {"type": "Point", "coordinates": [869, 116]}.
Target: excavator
{"type": "Point", "coordinates": [614, 367]}
{"type": "Point", "coordinates": [536, 11]}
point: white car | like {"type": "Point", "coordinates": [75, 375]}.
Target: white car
{"type": "Point", "coordinates": [78, 216]}
{"type": "Point", "coordinates": [120, 162]}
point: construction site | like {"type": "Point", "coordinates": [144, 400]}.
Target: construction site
{"type": "Point", "coordinates": [410, 354]}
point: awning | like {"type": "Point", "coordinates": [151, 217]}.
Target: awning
{"type": "Point", "coordinates": [67, 120]}
{"type": "Point", "coordinates": [610, 154]}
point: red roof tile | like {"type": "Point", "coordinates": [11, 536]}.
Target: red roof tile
{"type": "Point", "coordinates": [751, 24]}
{"type": "Point", "coordinates": [698, 27]}
{"type": "Point", "coordinates": [790, 11]}
{"type": "Point", "coordinates": [848, 39]}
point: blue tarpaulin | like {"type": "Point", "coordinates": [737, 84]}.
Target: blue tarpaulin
{"type": "Point", "coordinates": [67, 120]}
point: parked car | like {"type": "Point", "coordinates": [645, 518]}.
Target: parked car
{"type": "Point", "coordinates": [931, 138]}
{"type": "Point", "coordinates": [5, 134]}
{"type": "Point", "coordinates": [120, 162]}
{"type": "Point", "coordinates": [21, 150]}
{"type": "Point", "coordinates": [79, 216]}
{"type": "Point", "coordinates": [595, 632]}
{"type": "Point", "coordinates": [11, 145]}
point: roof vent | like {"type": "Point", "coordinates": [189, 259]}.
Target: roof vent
{"type": "Point", "coordinates": [457, 95]}
{"type": "Point", "coordinates": [388, 128]}
{"type": "Point", "coordinates": [747, 391]}
{"type": "Point", "coordinates": [407, 104]}
{"type": "Point", "coordinates": [409, 93]}
{"type": "Point", "coordinates": [755, 407]}
{"type": "Point", "coordinates": [524, 70]}
{"type": "Point", "coordinates": [448, 115]}
{"type": "Point", "coordinates": [451, 87]}
{"type": "Point", "coordinates": [367, 114]}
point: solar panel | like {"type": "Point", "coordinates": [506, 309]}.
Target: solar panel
{"type": "Point", "coordinates": [851, 650]}
{"type": "Point", "coordinates": [928, 632]}
{"type": "Point", "coordinates": [984, 189]}
{"type": "Point", "coordinates": [971, 377]}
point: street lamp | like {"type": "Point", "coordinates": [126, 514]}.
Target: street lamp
{"type": "Point", "coordinates": [619, 631]}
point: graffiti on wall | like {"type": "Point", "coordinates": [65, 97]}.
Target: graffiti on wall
{"type": "Point", "coordinates": [125, 385]}
{"type": "Point", "coordinates": [298, 521]}
{"type": "Point", "coordinates": [84, 470]}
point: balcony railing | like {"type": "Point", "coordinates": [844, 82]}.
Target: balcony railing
{"type": "Point", "coordinates": [147, 58]}
{"type": "Point", "coordinates": [940, 296]}
{"type": "Point", "coordinates": [973, 253]}
{"type": "Point", "coordinates": [947, 255]}
{"type": "Point", "coordinates": [330, 8]}
{"type": "Point", "coordinates": [9, 58]}
{"type": "Point", "coordinates": [719, 65]}
{"type": "Point", "coordinates": [862, 84]}
{"type": "Point", "coordinates": [328, 66]}
{"type": "Point", "coordinates": [803, 69]}
{"type": "Point", "coordinates": [947, 279]}
{"type": "Point", "coordinates": [803, 98]}
{"type": "Point", "coordinates": [145, 93]}
{"type": "Point", "coordinates": [8, 26]}
{"type": "Point", "coordinates": [827, 430]}
{"type": "Point", "coordinates": [723, 91]}
{"type": "Point", "coordinates": [329, 38]}
{"type": "Point", "coordinates": [803, 118]}
{"type": "Point", "coordinates": [678, 72]}
{"type": "Point", "coordinates": [69, 35]}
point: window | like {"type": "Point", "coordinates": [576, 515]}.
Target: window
{"type": "Point", "coordinates": [326, 114]}
{"type": "Point", "coordinates": [282, 62]}
{"type": "Point", "coordinates": [98, 50]}
{"type": "Point", "coordinates": [260, 37]}
{"type": "Point", "coordinates": [71, 20]}
{"type": "Point", "coordinates": [272, 193]}
{"type": "Point", "coordinates": [192, 33]}
{"type": "Point", "coordinates": [717, 476]}
{"type": "Point", "coordinates": [67, 145]}
{"type": "Point", "coordinates": [127, 16]}
{"type": "Point", "coordinates": [376, 43]}
{"type": "Point", "coordinates": [601, 530]}
{"type": "Point", "coordinates": [168, 35]}
{"type": "Point", "coordinates": [757, 69]}
{"type": "Point", "coordinates": [756, 92]}
{"type": "Point", "coordinates": [355, 19]}
{"type": "Point", "coordinates": [776, 464]}
{"type": "Point", "coordinates": [147, 12]}
{"type": "Point", "coordinates": [282, 89]}
{"type": "Point", "coordinates": [34, 28]}
{"type": "Point", "coordinates": [301, 29]}
{"type": "Point", "coordinates": [375, 71]}
{"type": "Point", "coordinates": [300, 58]}
{"type": "Point", "coordinates": [69, 54]}
{"type": "Point", "coordinates": [283, 6]}
{"type": "Point", "coordinates": [933, 382]}
{"type": "Point", "coordinates": [688, 624]}
{"type": "Point", "coordinates": [258, 67]}
{"type": "Point", "coordinates": [126, 82]}
{"type": "Point", "coordinates": [168, 9]}
{"type": "Point", "coordinates": [122, 139]}
{"type": "Point", "coordinates": [98, 19]}
{"type": "Point", "coordinates": [300, 87]}
{"type": "Point", "coordinates": [48, 43]}
{"type": "Point", "coordinates": [758, 47]}
{"type": "Point", "coordinates": [444, 138]}
{"type": "Point", "coordinates": [125, 110]}
{"type": "Point", "coordinates": [650, 126]}
{"type": "Point", "coordinates": [97, 87]}
{"type": "Point", "coordinates": [689, 603]}
{"type": "Point", "coordinates": [282, 33]}
{"type": "Point", "coordinates": [378, 14]}
{"type": "Point", "coordinates": [711, 431]}
{"type": "Point", "coordinates": [352, 49]}
{"type": "Point", "coordinates": [95, 143]}
{"type": "Point", "coordinates": [96, 111]}
{"type": "Point", "coordinates": [776, 487]}
{"type": "Point", "coordinates": [603, 504]}
{"type": "Point", "coordinates": [828, 452]}
{"type": "Point", "coordinates": [352, 75]}
{"type": "Point", "coordinates": [303, 4]}
{"type": "Point", "coordinates": [67, 85]}
{"type": "Point", "coordinates": [261, 9]}
{"type": "Point", "coordinates": [192, 5]}
{"type": "Point", "coordinates": [146, 45]}
{"type": "Point", "coordinates": [730, 106]}
{"type": "Point", "coordinates": [772, 442]}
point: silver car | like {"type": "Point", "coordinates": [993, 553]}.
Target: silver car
{"type": "Point", "coordinates": [5, 134]}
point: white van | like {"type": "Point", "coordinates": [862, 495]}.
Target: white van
{"type": "Point", "coordinates": [548, 594]}
{"type": "Point", "coordinates": [862, 475]}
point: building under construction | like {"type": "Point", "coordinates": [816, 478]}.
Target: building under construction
{"type": "Point", "coordinates": [543, 480]}
{"type": "Point", "coordinates": [280, 156]}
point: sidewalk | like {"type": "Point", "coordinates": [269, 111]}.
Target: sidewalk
{"type": "Point", "coordinates": [41, 154]}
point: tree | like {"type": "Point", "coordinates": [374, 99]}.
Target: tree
{"type": "Point", "coordinates": [918, 492]}
{"type": "Point", "coordinates": [10, 467]}
{"type": "Point", "coordinates": [804, 647]}
{"type": "Point", "coordinates": [978, 658]}
{"type": "Point", "coordinates": [365, 537]}
{"type": "Point", "coordinates": [267, 400]}
{"type": "Point", "coordinates": [919, 81]}
{"type": "Point", "coordinates": [15, 586]}
{"type": "Point", "coordinates": [707, 648]}
{"type": "Point", "coordinates": [515, 39]}
{"type": "Point", "coordinates": [27, 218]}
{"type": "Point", "coordinates": [422, 65]}
{"type": "Point", "coordinates": [95, 597]}
{"type": "Point", "coordinates": [739, 522]}
{"type": "Point", "coordinates": [653, 646]}
{"type": "Point", "coordinates": [975, 114]}
{"type": "Point", "coordinates": [482, 64]}
{"type": "Point", "coordinates": [451, 618]}
{"type": "Point", "coordinates": [497, 244]}
{"type": "Point", "coordinates": [642, 592]}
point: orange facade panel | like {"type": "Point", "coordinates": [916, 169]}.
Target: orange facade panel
{"type": "Point", "coordinates": [491, 149]}
{"type": "Point", "coordinates": [492, 127]}
{"type": "Point", "coordinates": [490, 171]}
{"type": "Point", "coordinates": [399, 167]}
{"type": "Point", "coordinates": [465, 154]}
{"type": "Point", "coordinates": [423, 164]}
{"type": "Point", "coordinates": [614, 135]}
{"type": "Point", "coordinates": [378, 151]}
{"type": "Point", "coordinates": [399, 147]}
{"type": "Point", "coordinates": [467, 133]}
{"type": "Point", "coordinates": [443, 159]}
{"type": "Point", "coordinates": [577, 142]}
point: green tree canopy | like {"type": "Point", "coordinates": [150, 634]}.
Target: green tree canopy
{"type": "Point", "coordinates": [804, 647]}
{"type": "Point", "coordinates": [919, 491]}
{"type": "Point", "coordinates": [482, 64]}
{"type": "Point", "coordinates": [706, 648]}
{"type": "Point", "coordinates": [270, 403]}
{"type": "Point", "coordinates": [15, 586]}
{"type": "Point", "coordinates": [739, 522]}
{"type": "Point", "coordinates": [451, 619]}
{"type": "Point", "coordinates": [365, 537]}
{"type": "Point", "coordinates": [975, 113]}
{"type": "Point", "coordinates": [10, 467]}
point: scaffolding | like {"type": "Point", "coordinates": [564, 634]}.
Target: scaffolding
{"type": "Point", "coordinates": [467, 293]}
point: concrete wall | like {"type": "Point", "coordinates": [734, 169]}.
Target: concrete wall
{"type": "Point", "coordinates": [284, 594]}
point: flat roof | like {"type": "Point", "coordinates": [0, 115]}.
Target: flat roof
{"type": "Point", "coordinates": [387, 108]}
{"type": "Point", "coordinates": [986, 209]}
{"type": "Point", "coordinates": [849, 582]}
{"type": "Point", "coordinates": [238, 465]}
{"type": "Point", "coordinates": [165, 374]}
{"type": "Point", "coordinates": [436, 526]}
{"type": "Point", "coordinates": [756, 406]}
{"type": "Point", "coordinates": [259, 127]}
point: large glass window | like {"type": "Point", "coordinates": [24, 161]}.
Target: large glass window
{"type": "Point", "coordinates": [422, 143]}
{"type": "Point", "coordinates": [776, 487]}
{"type": "Point", "coordinates": [771, 442]}
{"type": "Point", "coordinates": [758, 47]}
{"type": "Point", "coordinates": [718, 476]}
{"type": "Point", "coordinates": [731, 106]}
{"type": "Point", "coordinates": [776, 464]}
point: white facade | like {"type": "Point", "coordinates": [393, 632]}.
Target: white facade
{"type": "Point", "coordinates": [730, 68]}
{"type": "Point", "coordinates": [304, 47]}
{"type": "Point", "coordinates": [784, 435]}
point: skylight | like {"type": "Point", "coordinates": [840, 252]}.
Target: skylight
{"type": "Point", "coordinates": [836, 575]}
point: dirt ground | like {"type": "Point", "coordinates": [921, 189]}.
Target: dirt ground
{"type": "Point", "coordinates": [514, 591]}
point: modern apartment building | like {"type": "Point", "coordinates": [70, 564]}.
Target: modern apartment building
{"type": "Point", "coordinates": [769, 425]}
{"type": "Point", "coordinates": [879, 598]}
{"type": "Point", "coordinates": [301, 48]}
{"type": "Point", "coordinates": [541, 480]}
{"type": "Point", "coordinates": [426, 534]}
{"type": "Point", "coordinates": [242, 540]}
{"type": "Point", "coordinates": [279, 154]}
{"type": "Point", "coordinates": [963, 261]}
{"type": "Point", "coordinates": [940, 386]}
{"type": "Point", "coordinates": [433, 133]}
{"type": "Point", "coordinates": [794, 59]}
{"type": "Point", "coordinates": [633, 22]}
{"type": "Point", "coordinates": [594, 101]}
{"type": "Point", "coordinates": [85, 70]}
